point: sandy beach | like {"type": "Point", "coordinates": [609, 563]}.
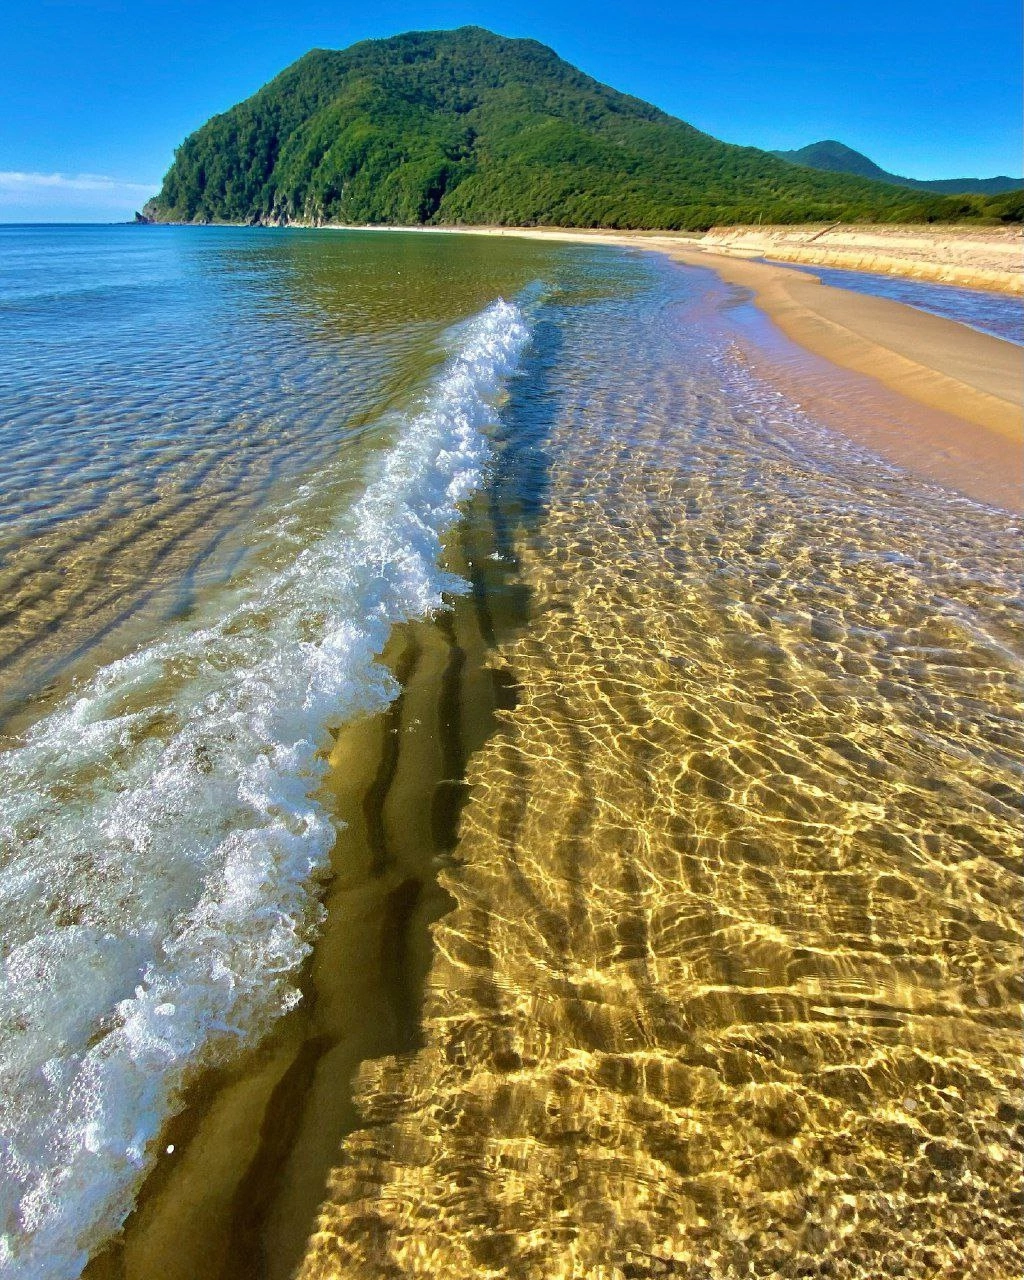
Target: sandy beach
{"type": "Point", "coordinates": [958, 394]}
{"type": "Point", "coordinates": [970, 385]}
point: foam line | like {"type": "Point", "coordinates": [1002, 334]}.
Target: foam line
{"type": "Point", "coordinates": [160, 839]}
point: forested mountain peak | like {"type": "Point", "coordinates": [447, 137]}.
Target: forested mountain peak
{"type": "Point", "coordinates": [836, 157]}
{"type": "Point", "coordinates": [467, 126]}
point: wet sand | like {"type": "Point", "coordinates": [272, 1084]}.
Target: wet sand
{"type": "Point", "coordinates": [943, 365]}
{"type": "Point", "coordinates": [968, 388]}
{"type": "Point", "coordinates": [971, 384]}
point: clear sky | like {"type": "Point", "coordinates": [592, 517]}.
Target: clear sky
{"type": "Point", "coordinates": [96, 94]}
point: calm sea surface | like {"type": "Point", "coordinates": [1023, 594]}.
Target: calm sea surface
{"type": "Point", "coordinates": [735, 947]}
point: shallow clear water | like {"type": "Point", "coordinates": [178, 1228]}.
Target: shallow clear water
{"type": "Point", "coordinates": [161, 388]}
{"type": "Point", "coordinates": [731, 986]}
{"type": "Point", "coordinates": [732, 968]}
{"type": "Point", "coordinates": [999, 314]}
{"type": "Point", "coordinates": [229, 462]}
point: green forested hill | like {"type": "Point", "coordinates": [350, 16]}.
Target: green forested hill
{"type": "Point", "coordinates": [466, 126]}
{"type": "Point", "coordinates": [836, 157]}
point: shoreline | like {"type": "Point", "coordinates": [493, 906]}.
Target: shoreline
{"type": "Point", "coordinates": [308, 1149]}
{"type": "Point", "coordinates": [990, 258]}
{"type": "Point", "coordinates": [916, 380]}
{"type": "Point", "coordinates": [250, 1154]}
{"type": "Point", "coordinates": [932, 375]}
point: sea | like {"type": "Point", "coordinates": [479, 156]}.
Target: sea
{"type": "Point", "coordinates": [745, 812]}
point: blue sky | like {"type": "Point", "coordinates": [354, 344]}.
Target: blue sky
{"type": "Point", "coordinates": [96, 94]}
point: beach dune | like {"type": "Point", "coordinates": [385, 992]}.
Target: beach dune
{"type": "Point", "coordinates": [971, 257]}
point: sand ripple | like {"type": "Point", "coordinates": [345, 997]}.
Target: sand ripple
{"type": "Point", "coordinates": [732, 983]}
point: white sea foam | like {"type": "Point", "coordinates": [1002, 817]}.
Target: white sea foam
{"type": "Point", "coordinates": [159, 842]}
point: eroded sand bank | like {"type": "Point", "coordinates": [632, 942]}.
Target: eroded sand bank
{"type": "Point", "coordinates": [976, 258]}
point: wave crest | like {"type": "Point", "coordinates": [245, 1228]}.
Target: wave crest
{"type": "Point", "coordinates": [160, 840]}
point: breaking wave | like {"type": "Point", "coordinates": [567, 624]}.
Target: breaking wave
{"type": "Point", "coordinates": [160, 837]}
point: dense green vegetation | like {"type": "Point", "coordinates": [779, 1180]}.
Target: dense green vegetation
{"type": "Point", "coordinates": [835, 157]}
{"type": "Point", "coordinates": [469, 127]}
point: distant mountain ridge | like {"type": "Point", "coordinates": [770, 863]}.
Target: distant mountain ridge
{"type": "Point", "coordinates": [466, 126]}
{"type": "Point", "coordinates": [835, 157]}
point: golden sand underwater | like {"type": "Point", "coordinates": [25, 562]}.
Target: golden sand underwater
{"type": "Point", "coordinates": [731, 986]}
{"type": "Point", "coordinates": [676, 928]}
